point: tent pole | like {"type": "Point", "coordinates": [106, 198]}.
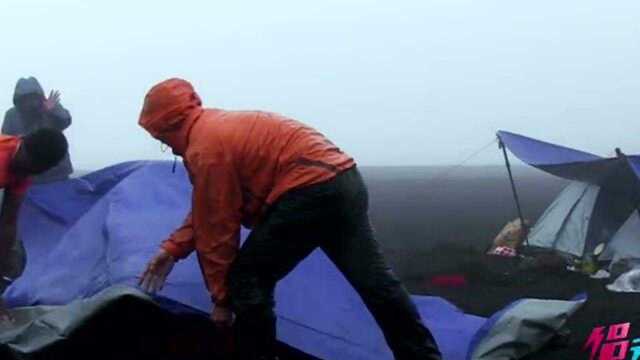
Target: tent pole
{"type": "Point", "coordinates": [515, 192]}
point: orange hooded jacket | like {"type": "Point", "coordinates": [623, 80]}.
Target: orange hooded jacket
{"type": "Point", "coordinates": [239, 163]}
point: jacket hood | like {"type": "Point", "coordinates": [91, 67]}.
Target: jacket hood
{"type": "Point", "coordinates": [27, 86]}
{"type": "Point", "coordinates": [170, 109]}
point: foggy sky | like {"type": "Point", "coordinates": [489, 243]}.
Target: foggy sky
{"type": "Point", "coordinates": [392, 82]}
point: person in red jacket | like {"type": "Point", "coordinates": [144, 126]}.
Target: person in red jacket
{"type": "Point", "coordinates": [297, 191]}
{"type": "Point", "coordinates": [20, 159]}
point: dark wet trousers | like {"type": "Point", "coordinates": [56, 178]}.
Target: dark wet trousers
{"type": "Point", "coordinates": [333, 216]}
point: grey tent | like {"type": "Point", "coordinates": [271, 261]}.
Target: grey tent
{"type": "Point", "coordinates": [565, 226]}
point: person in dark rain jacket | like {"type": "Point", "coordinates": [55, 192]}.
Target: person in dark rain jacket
{"type": "Point", "coordinates": [33, 111]}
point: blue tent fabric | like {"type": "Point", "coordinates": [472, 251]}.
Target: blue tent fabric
{"type": "Point", "coordinates": [573, 164]}
{"type": "Point", "coordinates": [521, 328]}
{"type": "Point", "coordinates": [340, 317]}
{"type": "Point", "coordinates": [634, 163]}
{"type": "Point", "coordinates": [539, 153]}
{"type": "Point", "coordinates": [107, 239]}
{"type": "Point", "coordinates": [87, 234]}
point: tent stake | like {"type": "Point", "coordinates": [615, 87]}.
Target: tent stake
{"type": "Point", "coordinates": [515, 192]}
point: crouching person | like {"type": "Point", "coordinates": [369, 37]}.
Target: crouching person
{"type": "Point", "coordinates": [20, 159]}
{"type": "Point", "coordinates": [297, 191]}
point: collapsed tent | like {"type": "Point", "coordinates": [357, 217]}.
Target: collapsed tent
{"type": "Point", "coordinates": [117, 323]}
{"type": "Point", "coordinates": [86, 235]}
{"type": "Point", "coordinates": [599, 206]}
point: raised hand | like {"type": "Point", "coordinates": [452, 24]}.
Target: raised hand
{"type": "Point", "coordinates": [52, 101]}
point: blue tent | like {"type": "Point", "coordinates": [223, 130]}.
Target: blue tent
{"type": "Point", "coordinates": [574, 164]}
{"type": "Point", "coordinates": [600, 205]}
{"type": "Point", "coordinates": [92, 233]}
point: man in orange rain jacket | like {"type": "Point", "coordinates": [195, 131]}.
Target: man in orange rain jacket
{"type": "Point", "coordinates": [297, 191]}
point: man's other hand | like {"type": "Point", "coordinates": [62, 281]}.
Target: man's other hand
{"type": "Point", "coordinates": [222, 316]}
{"type": "Point", "coordinates": [155, 275]}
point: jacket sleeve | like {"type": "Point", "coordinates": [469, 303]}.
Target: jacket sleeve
{"type": "Point", "coordinates": [181, 243]}
{"type": "Point", "coordinates": [59, 118]}
{"type": "Point", "coordinates": [217, 209]}
{"type": "Point", "coordinates": [8, 125]}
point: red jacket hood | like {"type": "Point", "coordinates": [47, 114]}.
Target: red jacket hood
{"type": "Point", "coordinates": [169, 112]}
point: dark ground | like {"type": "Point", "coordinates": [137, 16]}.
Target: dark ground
{"type": "Point", "coordinates": [416, 210]}
{"type": "Point", "coordinates": [432, 227]}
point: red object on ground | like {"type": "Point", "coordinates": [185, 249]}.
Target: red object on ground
{"type": "Point", "coordinates": [504, 251]}
{"type": "Point", "coordinates": [450, 280]}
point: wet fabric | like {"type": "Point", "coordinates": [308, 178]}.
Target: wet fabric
{"type": "Point", "coordinates": [54, 322]}
{"type": "Point", "coordinates": [522, 328]}
{"type": "Point", "coordinates": [99, 231]}
{"type": "Point", "coordinates": [116, 323]}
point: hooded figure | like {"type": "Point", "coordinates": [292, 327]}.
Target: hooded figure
{"type": "Point", "coordinates": [297, 191]}
{"type": "Point", "coordinates": [30, 114]}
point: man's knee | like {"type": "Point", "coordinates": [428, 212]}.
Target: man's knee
{"type": "Point", "coordinates": [248, 291]}
{"type": "Point", "coordinates": [380, 288]}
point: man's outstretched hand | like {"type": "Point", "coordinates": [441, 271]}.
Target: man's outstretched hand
{"type": "Point", "coordinates": [155, 275]}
